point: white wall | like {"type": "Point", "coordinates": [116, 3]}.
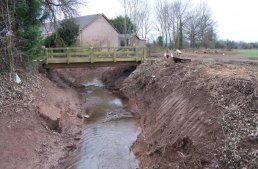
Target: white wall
{"type": "Point", "coordinates": [99, 33]}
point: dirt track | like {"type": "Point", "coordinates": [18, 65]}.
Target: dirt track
{"type": "Point", "coordinates": [197, 115]}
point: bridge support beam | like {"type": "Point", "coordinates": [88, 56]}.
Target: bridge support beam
{"type": "Point", "coordinates": [85, 65]}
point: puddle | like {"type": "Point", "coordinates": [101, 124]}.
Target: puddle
{"type": "Point", "coordinates": [109, 131]}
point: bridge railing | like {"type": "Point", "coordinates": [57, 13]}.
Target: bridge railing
{"type": "Point", "coordinates": [91, 55]}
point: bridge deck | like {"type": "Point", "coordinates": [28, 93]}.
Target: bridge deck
{"type": "Point", "coordinates": [88, 64]}
{"type": "Point", "coordinates": [66, 57]}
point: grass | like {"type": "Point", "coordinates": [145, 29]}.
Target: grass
{"type": "Point", "coordinates": [249, 53]}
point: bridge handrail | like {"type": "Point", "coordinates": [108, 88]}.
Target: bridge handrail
{"type": "Point", "coordinates": [96, 54]}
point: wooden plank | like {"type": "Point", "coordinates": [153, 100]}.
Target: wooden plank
{"type": "Point", "coordinates": [88, 55]}
{"type": "Point", "coordinates": [46, 51]}
{"type": "Point", "coordinates": [57, 54]}
{"type": "Point", "coordinates": [84, 65]}
{"type": "Point", "coordinates": [125, 59]}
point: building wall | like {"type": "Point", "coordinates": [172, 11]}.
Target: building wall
{"type": "Point", "coordinates": [99, 33]}
{"type": "Point", "coordinates": [138, 42]}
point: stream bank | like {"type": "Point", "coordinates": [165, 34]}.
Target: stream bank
{"type": "Point", "coordinates": [193, 115]}
{"type": "Point", "coordinates": [38, 122]}
{"type": "Point", "coordinates": [197, 115]}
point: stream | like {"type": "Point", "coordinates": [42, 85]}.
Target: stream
{"type": "Point", "coordinates": [109, 131]}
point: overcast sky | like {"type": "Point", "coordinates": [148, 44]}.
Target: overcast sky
{"type": "Point", "coordinates": [236, 19]}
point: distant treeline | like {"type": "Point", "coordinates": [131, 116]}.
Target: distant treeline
{"type": "Point", "coordinates": [218, 44]}
{"type": "Point", "coordinates": [222, 44]}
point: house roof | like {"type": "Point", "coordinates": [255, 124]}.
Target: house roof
{"type": "Point", "coordinates": [82, 21]}
{"type": "Point", "coordinates": [85, 21]}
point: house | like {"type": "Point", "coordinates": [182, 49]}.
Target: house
{"type": "Point", "coordinates": [131, 39]}
{"type": "Point", "coordinates": [96, 30]}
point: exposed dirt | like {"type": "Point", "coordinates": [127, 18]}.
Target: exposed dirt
{"type": "Point", "coordinates": [196, 115]}
{"type": "Point", "coordinates": [76, 76]}
{"type": "Point", "coordinates": [193, 115]}
{"type": "Point", "coordinates": [26, 139]}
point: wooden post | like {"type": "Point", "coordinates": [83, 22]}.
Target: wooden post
{"type": "Point", "coordinates": [51, 51]}
{"type": "Point", "coordinates": [46, 55]}
{"type": "Point", "coordinates": [67, 55]}
{"type": "Point", "coordinates": [91, 55]}
{"type": "Point", "coordinates": [145, 53]}
{"type": "Point", "coordinates": [136, 54]}
{"type": "Point", "coordinates": [115, 56]}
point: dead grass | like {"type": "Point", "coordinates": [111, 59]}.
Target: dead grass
{"type": "Point", "coordinates": [14, 96]}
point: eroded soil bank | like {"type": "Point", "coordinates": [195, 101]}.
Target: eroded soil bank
{"type": "Point", "coordinates": [193, 115]}
{"type": "Point", "coordinates": [197, 115]}
{"type": "Point", "coordinates": [38, 122]}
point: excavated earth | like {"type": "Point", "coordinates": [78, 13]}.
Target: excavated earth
{"type": "Point", "coordinates": [193, 115]}
{"type": "Point", "coordinates": [38, 123]}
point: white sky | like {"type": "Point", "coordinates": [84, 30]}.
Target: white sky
{"type": "Point", "coordinates": [236, 19]}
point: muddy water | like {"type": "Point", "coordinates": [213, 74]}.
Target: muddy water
{"type": "Point", "coordinates": [109, 131]}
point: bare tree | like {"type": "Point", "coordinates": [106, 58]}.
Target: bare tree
{"type": "Point", "coordinates": [180, 11]}
{"type": "Point", "coordinates": [133, 7]}
{"type": "Point", "coordinates": [62, 8]}
{"type": "Point", "coordinates": [124, 4]}
{"type": "Point", "coordinates": [7, 47]}
{"type": "Point", "coordinates": [139, 13]}
{"type": "Point", "coordinates": [142, 22]}
{"type": "Point", "coordinates": [192, 27]}
{"type": "Point", "coordinates": [59, 9]}
{"type": "Point", "coordinates": [171, 17]}
{"type": "Point", "coordinates": [162, 15]}
{"type": "Point", "coordinates": [200, 27]}
{"type": "Point", "coordinates": [206, 22]}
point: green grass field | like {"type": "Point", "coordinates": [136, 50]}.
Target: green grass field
{"type": "Point", "coordinates": [249, 53]}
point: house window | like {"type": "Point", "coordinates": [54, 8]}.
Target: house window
{"type": "Point", "coordinates": [122, 43]}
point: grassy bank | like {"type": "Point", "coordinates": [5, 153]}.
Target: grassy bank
{"type": "Point", "coordinates": [249, 53]}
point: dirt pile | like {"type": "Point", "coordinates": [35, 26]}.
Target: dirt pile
{"type": "Point", "coordinates": [197, 115]}
{"type": "Point", "coordinates": [26, 140]}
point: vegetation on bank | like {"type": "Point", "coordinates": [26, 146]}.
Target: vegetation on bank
{"type": "Point", "coordinates": [249, 53]}
{"type": "Point", "coordinates": [66, 34]}
{"type": "Point", "coordinates": [20, 29]}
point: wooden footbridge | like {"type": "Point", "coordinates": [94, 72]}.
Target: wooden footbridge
{"type": "Point", "coordinates": [83, 57]}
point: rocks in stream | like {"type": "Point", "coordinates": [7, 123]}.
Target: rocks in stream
{"type": "Point", "coordinates": [83, 116]}
{"type": "Point", "coordinates": [79, 116]}
{"type": "Point", "coordinates": [114, 115]}
{"type": "Point", "coordinates": [71, 147]}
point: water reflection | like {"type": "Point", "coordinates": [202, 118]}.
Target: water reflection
{"type": "Point", "coordinates": [109, 132]}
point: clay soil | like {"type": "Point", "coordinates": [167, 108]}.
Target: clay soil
{"type": "Point", "coordinates": [27, 140]}
{"type": "Point", "coordinates": [193, 115]}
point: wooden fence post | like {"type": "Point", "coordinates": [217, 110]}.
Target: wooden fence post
{"type": "Point", "coordinates": [46, 55]}
{"type": "Point", "coordinates": [67, 55]}
{"type": "Point", "coordinates": [91, 55]}
{"type": "Point", "coordinates": [115, 56]}
{"type": "Point", "coordinates": [145, 53]}
{"type": "Point", "coordinates": [136, 54]}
